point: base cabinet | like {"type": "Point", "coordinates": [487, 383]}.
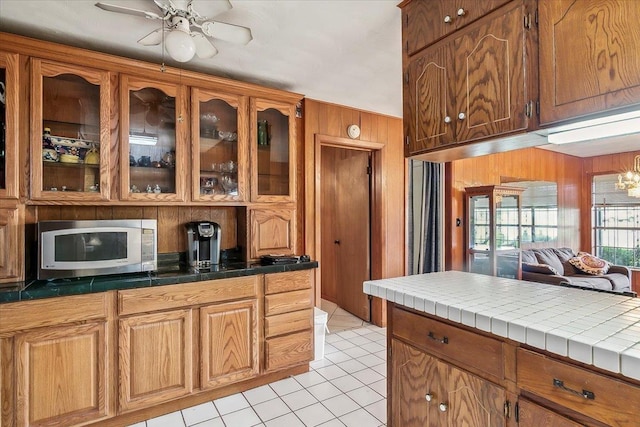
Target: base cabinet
{"type": "Point", "coordinates": [429, 392]}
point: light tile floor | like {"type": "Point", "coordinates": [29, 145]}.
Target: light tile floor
{"type": "Point", "coordinates": [346, 388]}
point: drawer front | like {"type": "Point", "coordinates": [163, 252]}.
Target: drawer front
{"type": "Point", "coordinates": [609, 399]}
{"type": "Point", "coordinates": [289, 281]}
{"type": "Point", "coordinates": [287, 302]}
{"type": "Point", "coordinates": [449, 342]}
{"type": "Point", "coordinates": [288, 322]}
{"type": "Point", "coordinates": [187, 294]}
{"type": "Point", "coordinates": [289, 350]}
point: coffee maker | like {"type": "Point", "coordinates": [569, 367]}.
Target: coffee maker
{"type": "Point", "coordinates": [203, 240]}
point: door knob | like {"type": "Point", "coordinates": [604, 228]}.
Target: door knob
{"type": "Point", "coordinates": [461, 116]}
{"type": "Point", "coordinates": [448, 20]}
{"type": "Point", "coordinates": [447, 119]}
{"type": "Point", "coordinates": [461, 12]}
{"type": "Point", "coordinates": [443, 407]}
{"type": "Point", "coordinates": [429, 397]}
{"type": "Point", "coordinates": [337, 242]}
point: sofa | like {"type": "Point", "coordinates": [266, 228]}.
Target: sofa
{"type": "Point", "coordinates": [556, 266]}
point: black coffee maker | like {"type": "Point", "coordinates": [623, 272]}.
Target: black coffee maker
{"type": "Point", "coordinates": [203, 240]}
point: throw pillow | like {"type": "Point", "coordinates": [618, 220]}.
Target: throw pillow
{"type": "Point", "coordinates": [590, 264]}
{"type": "Point", "coordinates": [538, 268]}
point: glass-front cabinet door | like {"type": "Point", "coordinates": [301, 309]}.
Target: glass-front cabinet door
{"type": "Point", "coordinates": [220, 158]}
{"type": "Point", "coordinates": [272, 151]}
{"type": "Point", "coordinates": [70, 132]}
{"type": "Point", "coordinates": [8, 126]}
{"type": "Point", "coordinates": [153, 140]}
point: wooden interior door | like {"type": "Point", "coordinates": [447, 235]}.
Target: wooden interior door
{"type": "Point", "coordinates": [346, 228]}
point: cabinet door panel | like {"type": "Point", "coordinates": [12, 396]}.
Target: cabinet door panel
{"type": "Point", "coordinates": [473, 401]}
{"type": "Point", "coordinates": [155, 358]}
{"type": "Point", "coordinates": [11, 244]}
{"type": "Point", "coordinates": [427, 100]}
{"type": "Point", "coordinates": [9, 174]}
{"type": "Point", "coordinates": [489, 62]}
{"type": "Point", "coordinates": [229, 341]}
{"type": "Point", "coordinates": [272, 232]}
{"type": "Point", "coordinates": [532, 415]}
{"type": "Point", "coordinates": [288, 350]}
{"type": "Point", "coordinates": [61, 375]}
{"type": "Point", "coordinates": [589, 58]}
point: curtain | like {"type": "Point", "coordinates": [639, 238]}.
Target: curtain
{"type": "Point", "coordinates": [426, 208]}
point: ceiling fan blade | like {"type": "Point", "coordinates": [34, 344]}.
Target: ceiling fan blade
{"type": "Point", "coordinates": [180, 4]}
{"type": "Point", "coordinates": [204, 48]}
{"type": "Point", "coordinates": [128, 10]}
{"type": "Point", "coordinates": [227, 32]}
{"type": "Point", "coordinates": [154, 38]}
{"type": "Point", "coordinates": [207, 9]}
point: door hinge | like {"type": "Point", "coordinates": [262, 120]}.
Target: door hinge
{"type": "Point", "coordinates": [538, 108]}
{"type": "Point", "coordinates": [406, 140]}
{"type": "Point", "coordinates": [507, 409]}
{"type": "Point", "coordinates": [406, 20]}
{"type": "Point", "coordinates": [528, 109]}
{"type": "Point", "coordinates": [368, 170]}
{"type": "Point", "coordinates": [516, 413]}
{"type": "Point", "coordinates": [406, 78]}
{"type": "Point", "coordinates": [536, 17]}
{"type": "Point", "coordinates": [406, 47]}
{"type": "Point", "coordinates": [527, 21]}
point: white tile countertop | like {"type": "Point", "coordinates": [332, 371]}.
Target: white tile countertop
{"type": "Point", "coordinates": [596, 328]}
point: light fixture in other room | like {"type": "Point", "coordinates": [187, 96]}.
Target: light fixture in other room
{"type": "Point", "coordinates": [142, 138]}
{"type": "Point", "coordinates": [179, 43]}
{"type": "Point", "coordinates": [630, 180]}
{"type": "Point", "coordinates": [616, 125]}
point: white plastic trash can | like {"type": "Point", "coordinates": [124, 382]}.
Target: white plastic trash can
{"type": "Point", "coordinates": [320, 326]}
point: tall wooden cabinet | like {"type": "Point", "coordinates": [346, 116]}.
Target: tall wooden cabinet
{"type": "Point", "coordinates": [474, 84]}
{"type": "Point", "coordinates": [589, 60]}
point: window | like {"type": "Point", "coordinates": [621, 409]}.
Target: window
{"type": "Point", "coordinates": [539, 220]}
{"type": "Point", "coordinates": [615, 222]}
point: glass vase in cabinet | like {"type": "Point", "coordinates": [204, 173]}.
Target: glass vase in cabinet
{"type": "Point", "coordinates": [153, 140]}
{"type": "Point", "coordinates": [272, 151]}
{"type": "Point", "coordinates": [220, 156]}
{"type": "Point", "coordinates": [493, 230]}
{"type": "Point", "coordinates": [70, 132]}
{"type": "Point", "coordinates": [8, 126]}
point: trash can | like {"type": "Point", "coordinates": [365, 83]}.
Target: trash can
{"type": "Point", "coordinates": [320, 326]}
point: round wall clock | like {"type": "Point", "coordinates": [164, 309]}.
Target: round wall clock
{"type": "Point", "coordinates": [353, 131]}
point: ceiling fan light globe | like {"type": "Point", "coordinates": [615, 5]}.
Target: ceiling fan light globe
{"type": "Point", "coordinates": [180, 46]}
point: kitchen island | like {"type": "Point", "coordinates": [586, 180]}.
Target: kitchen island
{"type": "Point", "coordinates": [483, 350]}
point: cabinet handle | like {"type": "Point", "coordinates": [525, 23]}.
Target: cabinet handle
{"type": "Point", "coordinates": [429, 397]}
{"type": "Point", "coordinates": [443, 340]}
{"type": "Point", "coordinates": [584, 393]}
{"type": "Point", "coordinates": [443, 407]}
{"type": "Point", "coordinates": [448, 20]}
{"type": "Point", "coordinates": [462, 116]}
{"type": "Point", "coordinates": [447, 119]}
{"type": "Point", "coordinates": [461, 12]}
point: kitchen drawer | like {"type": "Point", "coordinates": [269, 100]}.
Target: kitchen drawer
{"type": "Point", "coordinates": [288, 322]}
{"type": "Point", "coordinates": [289, 281]}
{"type": "Point", "coordinates": [609, 403]}
{"type": "Point", "coordinates": [450, 342]}
{"type": "Point", "coordinates": [287, 302]}
{"type": "Point", "coordinates": [288, 350]}
{"type": "Point", "coordinates": [186, 294]}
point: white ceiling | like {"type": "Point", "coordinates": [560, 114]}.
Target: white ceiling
{"type": "Point", "coordinates": [346, 52]}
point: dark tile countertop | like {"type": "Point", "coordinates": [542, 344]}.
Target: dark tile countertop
{"type": "Point", "coordinates": [168, 274]}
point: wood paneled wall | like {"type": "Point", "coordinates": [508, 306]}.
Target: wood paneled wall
{"type": "Point", "coordinates": [172, 235]}
{"type": "Point", "coordinates": [388, 219]}
{"type": "Point", "coordinates": [530, 164]}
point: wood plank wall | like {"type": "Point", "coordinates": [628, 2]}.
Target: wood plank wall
{"type": "Point", "coordinates": [388, 235]}
{"type": "Point", "coordinates": [530, 164]}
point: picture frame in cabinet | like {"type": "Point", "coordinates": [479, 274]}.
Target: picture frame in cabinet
{"type": "Point", "coordinates": [154, 140]}
{"type": "Point", "coordinates": [220, 152]}
{"type": "Point", "coordinates": [63, 102]}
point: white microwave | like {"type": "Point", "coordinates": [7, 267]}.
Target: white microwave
{"type": "Point", "coordinates": [92, 248]}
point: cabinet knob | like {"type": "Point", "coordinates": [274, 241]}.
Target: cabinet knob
{"type": "Point", "coordinates": [443, 407]}
{"type": "Point", "coordinates": [461, 116]}
{"type": "Point", "coordinates": [429, 397]}
{"type": "Point", "coordinates": [461, 12]}
{"type": "Point", "coordinates": [448, 20]}
{"type": "Point", "coordinates": [447, 119]}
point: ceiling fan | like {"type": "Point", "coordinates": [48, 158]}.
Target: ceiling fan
{"type": "Point", "coordinates": [187, 29]}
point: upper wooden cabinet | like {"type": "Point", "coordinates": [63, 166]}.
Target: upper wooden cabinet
{"type": "Point", "coordinates": [8, 126]}
{"type": "Point", "coordinates": [71, 108]}
{"type": "Point", "coordinates": [154, 140]}
{"type": "Point", "coordinates": [589, 59]}
{"type": "Point", "coordinates": [273, 155]}
{"type": "Point", "coordinates": [220, 152]}
{"type": "Point", "coordinates": [425, 22]}
{"type": "Point", "coordinates": [473, 85]}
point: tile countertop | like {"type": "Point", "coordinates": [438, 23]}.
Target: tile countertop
{"type": "Point", "coordinates": [601, 329]}
{"type": "Point", "coordinates": [167, 275]}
